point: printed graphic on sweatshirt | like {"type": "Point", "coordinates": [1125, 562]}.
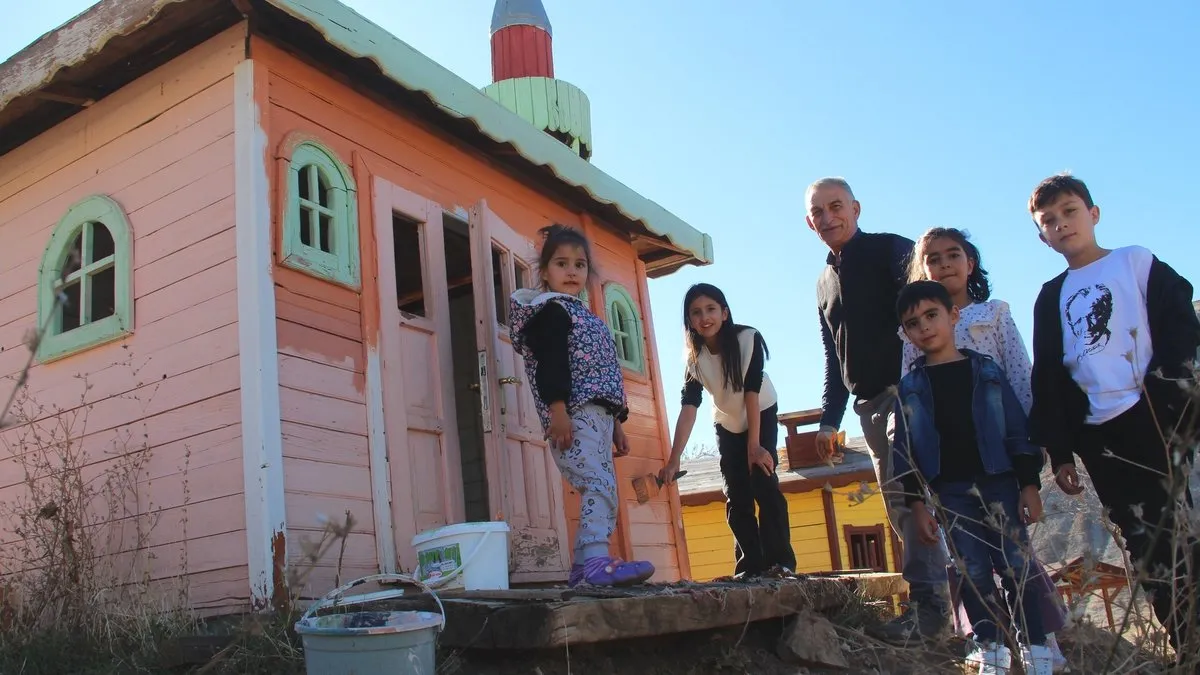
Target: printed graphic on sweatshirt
{"type": "Point", "coordinates": [1088, 312]}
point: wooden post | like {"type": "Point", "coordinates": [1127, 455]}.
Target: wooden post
{"type": "Point", "coordinates": [1107, 606]}
{"type": "Point", "coordinates": [835, 548]}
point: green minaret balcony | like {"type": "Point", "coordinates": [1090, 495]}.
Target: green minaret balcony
{"type": "Point", "coordinates": [559, 108]}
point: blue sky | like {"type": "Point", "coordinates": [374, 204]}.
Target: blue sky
{"type": "Point", "coordinates": [938, 113]}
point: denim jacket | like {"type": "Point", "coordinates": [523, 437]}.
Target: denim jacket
{"type": "Point", "coordinates": [1000, 422]}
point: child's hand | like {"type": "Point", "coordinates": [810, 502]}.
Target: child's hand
{"type": "Point", "coordinates": [559, 432]}
{"type": "Point", "coordinates": [620, 441]}
{"type": "Point", "coordinates": [667, 473]}
{"type": "Point", "coordinates": [756, 456]}
{"type": "Point", "coordinates": [927, 527]}
{"type": "Point", "coordinates": [1067, 480]}
{"type": "Point", "coordinates": [1030, 505]}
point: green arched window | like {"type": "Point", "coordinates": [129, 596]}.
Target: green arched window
{"type": "Point", "coordinates": [85, 282]}
{"type": "Point", "coordinates": [320, 229]}
{"type": "Point", "coordinates": [625, 324]}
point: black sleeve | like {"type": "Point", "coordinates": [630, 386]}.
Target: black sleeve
{"type": "Point", "coordinates": [754, 374]}
{"type": "Point", "coordinates": [912, 488]}
{"type": "Point", "coordinates": [1028, 469]}
{"type": "Point", "coordinates": [546, 334]}
{"type": "Point", "coordinates": [901, 253]}
{"type": "Point", "coordinates": [834, 396]}
{"type": "Point", "coordinates": [1049, 381]}
{"type": "Point", "coordinates": [693, 392]}
{"type": "Point", "coordinates": [1174, 328]}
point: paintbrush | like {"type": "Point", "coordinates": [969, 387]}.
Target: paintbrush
{"type": "Point", "coordinates": [641, 485]}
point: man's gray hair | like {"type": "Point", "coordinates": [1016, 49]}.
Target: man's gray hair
{"type": "Point", "coordinates": [836, 181]}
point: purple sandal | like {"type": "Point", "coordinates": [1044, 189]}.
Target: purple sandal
{"type": "Point", "coordinates": [609, 571]}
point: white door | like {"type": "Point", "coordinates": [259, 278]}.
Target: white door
{"type": "Point", "coordinates": [521, 473]}
{"type": "Point", "coordinates": [420, 437]}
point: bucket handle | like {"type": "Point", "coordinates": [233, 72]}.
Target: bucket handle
{"type": "Point", "coordinates": [336, 594]}
{"type": "Point", "coordinates": [458, 570]}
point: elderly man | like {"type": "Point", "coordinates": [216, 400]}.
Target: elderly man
{"type": "Point", "coordinates": [856, 301]}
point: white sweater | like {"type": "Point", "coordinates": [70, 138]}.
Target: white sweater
{"type": "Point", "coordinates": [729, 407]}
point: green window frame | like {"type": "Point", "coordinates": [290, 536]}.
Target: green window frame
{"type": "Point", "coordinates": [625, 325]}
{"type": "Point", "coordinates": [85, 282]}
{"type": "Point", "coordinates": [320, 232]}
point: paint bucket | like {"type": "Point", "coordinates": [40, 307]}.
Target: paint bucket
{"type": "Point", "coordinates": [470, 556]}
{"type": "Point", "coordinates": [403, 643]}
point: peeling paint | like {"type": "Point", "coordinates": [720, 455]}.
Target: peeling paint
{"type": "Point", "coordinates": [279, 589]}
{"type": "Point", "coordinates": [530, 553]}
{"type": "Point", "coordinates": [73, 43]}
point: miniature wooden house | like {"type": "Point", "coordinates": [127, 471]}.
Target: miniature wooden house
{"type": "Point", "coordinates": [303, 234]}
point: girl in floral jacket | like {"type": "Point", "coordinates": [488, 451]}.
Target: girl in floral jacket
{"type": "Point", "coordinates": [571, 360]}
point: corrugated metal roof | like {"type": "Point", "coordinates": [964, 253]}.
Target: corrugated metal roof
{"type": "Point", "coordinates": [704, 474]}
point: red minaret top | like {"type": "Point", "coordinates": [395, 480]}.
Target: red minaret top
{"type": "Point", "coordinates": [521, 40]}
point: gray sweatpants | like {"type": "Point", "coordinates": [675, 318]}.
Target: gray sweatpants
{"type": "Point", "coordinates": [924, 565]}
{"type": "Point", "coordinates": [588, 467]}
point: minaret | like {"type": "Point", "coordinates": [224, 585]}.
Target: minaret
{"type": "Point", "coordinates": [523, 75]}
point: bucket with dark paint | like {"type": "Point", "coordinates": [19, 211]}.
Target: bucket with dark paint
{"type": "Point", "coordinates": [364, 643]}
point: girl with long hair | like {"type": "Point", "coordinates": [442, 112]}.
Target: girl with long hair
{"type": "Point", "coordinates": [726, 360]}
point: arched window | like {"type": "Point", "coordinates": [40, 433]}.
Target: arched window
{"type": "Point", "coordinates": [320, 228]}
{"type": "Point", "coordinates": [85, 283]}
{"type": "Point", "coordinates": [625, 324]}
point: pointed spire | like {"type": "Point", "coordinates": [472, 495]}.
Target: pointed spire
{"type": "Point", "coordinates": [523, 75]}
{"type": "Point", "coordinates": [520, 13]}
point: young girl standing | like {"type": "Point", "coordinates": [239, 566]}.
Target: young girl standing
{"type": "Point", "coordinates": [571, 360]}
{"type": "Point", "coordinates": [726, 360]}
{"type": "Point", "coordinates": [986, 326]}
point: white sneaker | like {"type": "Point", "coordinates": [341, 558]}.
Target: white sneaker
{"type": "Point", "coordinates": [1059, 661]}
{"type": "Point", "coordinates": [990, 659]}
{"type": "Point", "coordinates": [1037, 660]}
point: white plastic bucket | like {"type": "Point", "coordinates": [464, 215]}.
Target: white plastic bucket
{"type": "Point", "coordinates": [471, 556]}
{"type": "Point", "coordinates": [404, 643]}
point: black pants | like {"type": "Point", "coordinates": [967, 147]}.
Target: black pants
{"type": "Point", "coordinates": [1133, 486]}
{"type": "Point", "coordinates": [766, 540]}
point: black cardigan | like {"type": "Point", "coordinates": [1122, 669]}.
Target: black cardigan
{"type": "Point", "coordinates": [856, 304]}
{"type": "Point", "coordinates": [1060, 406]}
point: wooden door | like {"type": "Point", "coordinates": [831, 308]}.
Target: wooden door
{"type": "Point", "coordinates": [521, 473]}
{"type": "Point", "coordinates": [424, 471]}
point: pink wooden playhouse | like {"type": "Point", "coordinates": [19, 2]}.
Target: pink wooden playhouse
{"type": "Point", "coordinates": [286, 241]}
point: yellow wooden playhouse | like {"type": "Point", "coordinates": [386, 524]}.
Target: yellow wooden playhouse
{"type": "Point", "coordinates": [835, 510]}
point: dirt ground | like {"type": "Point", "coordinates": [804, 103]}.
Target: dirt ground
{"type": "Point", "coordinates": [752, 651]}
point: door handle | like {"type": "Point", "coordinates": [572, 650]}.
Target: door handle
{"type": "Point", "coordinates": [510, 380]}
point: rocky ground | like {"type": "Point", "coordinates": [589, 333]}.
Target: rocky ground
{"type": "Point", "coordinates": [755, 650]}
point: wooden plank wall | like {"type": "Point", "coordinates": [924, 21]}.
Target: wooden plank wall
{"type": "Point", "coordinates": [162, 147]}
{"type": "Point", "coordinates": [434, 165]}
{"type": "Point", "coordinates": [869, 512]}
{"type": "Point", "coordinates": [322, 396]}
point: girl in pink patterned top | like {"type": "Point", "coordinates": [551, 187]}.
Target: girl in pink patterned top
{"type": "Point", "coordinates": [579, 390]}
{"type": "Point", "coordinates": [985, 325]}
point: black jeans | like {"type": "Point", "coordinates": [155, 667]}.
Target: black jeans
{"type": "Point", "coordinates": [766, 540]}
{"type": "Point", "coordinates": [1132, 486]}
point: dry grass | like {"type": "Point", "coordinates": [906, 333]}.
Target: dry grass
{"type": "Point", "coordinates": [76, 593]}
{"type": "Point", "coordinates": [1139, 644]}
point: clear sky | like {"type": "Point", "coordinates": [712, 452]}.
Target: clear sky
{"type": "Point", "coordinates": [937, 112]}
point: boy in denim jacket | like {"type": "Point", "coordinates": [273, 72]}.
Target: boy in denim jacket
{"type": "Point", "coordinates": [961, 432]}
